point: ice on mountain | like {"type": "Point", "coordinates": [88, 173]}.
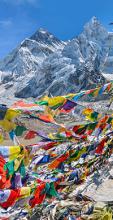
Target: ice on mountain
{"type": "Point", "coordinates": [45, 63]}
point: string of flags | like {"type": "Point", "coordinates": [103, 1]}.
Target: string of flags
{"type": "Point", "coordinates": [42, 175]}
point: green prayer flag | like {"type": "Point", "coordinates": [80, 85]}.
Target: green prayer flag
{"type": "Point", "coordinates": [19, 130]}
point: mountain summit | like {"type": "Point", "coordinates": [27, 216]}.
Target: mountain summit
{"type": "Point", "coordinates": [43, 63]}
{"type": "Point", "coordinates": [44, 37]}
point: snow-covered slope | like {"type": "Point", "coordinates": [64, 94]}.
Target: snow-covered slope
{"type": "Point", "coordinates": [45, 64]}
{"type": "Point", "coordinates": [108, 62]}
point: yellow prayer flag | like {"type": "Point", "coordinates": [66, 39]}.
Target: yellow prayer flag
{"type": "Point", "coordinates": [10, 114]}
{"type": "Point", "coordinates": [87, 111]}
{"type": "Point", "coordinates": [7, 125]}
{"type": "Point", "coordinates": [14, 152]}
{"type": "Point", "coordinates": [25, 192]}
{"type": "Point", "coordinates": [56, 100]}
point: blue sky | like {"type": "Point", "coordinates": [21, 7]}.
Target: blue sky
{"type": "Point", "coordinates": [64, 18]}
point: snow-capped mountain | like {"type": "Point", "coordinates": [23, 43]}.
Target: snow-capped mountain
{"type": "Point", "coordinates": [44, 64]}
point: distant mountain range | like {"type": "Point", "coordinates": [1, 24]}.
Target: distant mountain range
{"type": "Point", "coordinates": [43, 64]}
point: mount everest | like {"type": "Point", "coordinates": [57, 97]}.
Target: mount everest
{"type": "Point", "coordinates": [43, 64]}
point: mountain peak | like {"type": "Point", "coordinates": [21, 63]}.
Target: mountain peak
{"type": "Point", "coordinates": [40, 35]}
{"type": "Point", "coordinates": [43, 31]}
{"type": "Point", "coordinates": [45, 63]}
{"type": "Point", "coordinates": [44, 36]}
{"type": "Point", "coordinates": [94, 20]}
{"type": "Point", "coordinates": [93, 23]}
{"type": "Point", "coordinates": [94, 30]}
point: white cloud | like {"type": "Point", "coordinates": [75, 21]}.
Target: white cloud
{"type": "Point", "coordinates": [5, 23]}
